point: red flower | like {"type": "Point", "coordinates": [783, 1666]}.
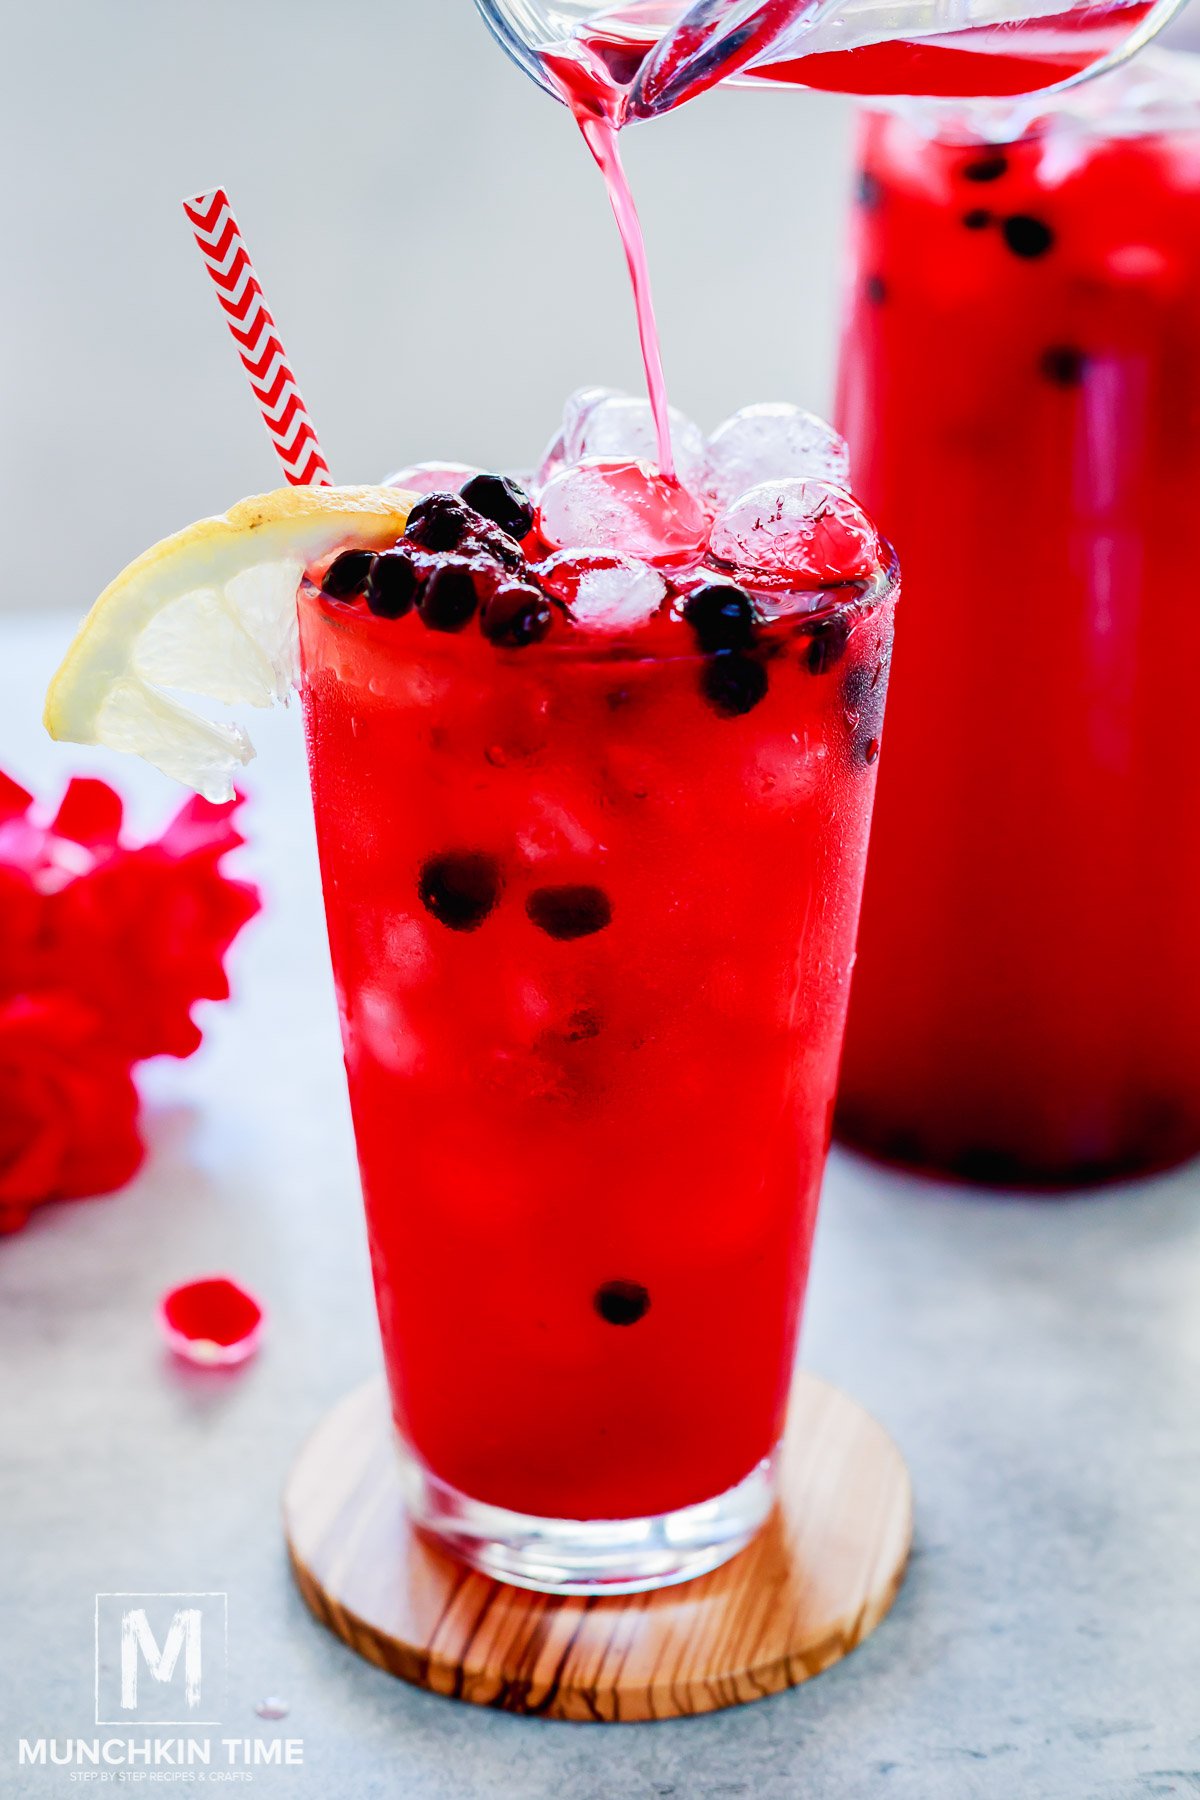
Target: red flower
{"type": "Point", "coordinates": [105, 947]}
{"type": "Point", "coordinates": [68, 1107]}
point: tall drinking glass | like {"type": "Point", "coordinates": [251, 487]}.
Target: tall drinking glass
{"type": "Point", "coordinates": [592, 935]}
{"type": "Point", "coordinates": [1020, 385]}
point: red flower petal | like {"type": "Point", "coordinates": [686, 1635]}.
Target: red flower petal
{"type": "Point", "coordinates": [22, 917]}
{"type": "Point", "coordinates": [212, 1322]}
{"type": "Point", "coordinates": [14, 800]}
{"type": "Point", "coordinates": [90, 814]}
{"type": "Point", "coordinates": [203, 825]}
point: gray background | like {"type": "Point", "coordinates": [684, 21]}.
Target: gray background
{"type": "Point", "coordinates": [1038, 1362]}
{"type": "Point", "coordinates": [429, 232]}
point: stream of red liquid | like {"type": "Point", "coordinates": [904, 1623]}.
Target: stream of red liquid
{"type": "Point", "coordinates": [598, 101]}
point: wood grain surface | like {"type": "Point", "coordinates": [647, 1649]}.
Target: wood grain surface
{"type": "Point", "coordinates": [818, 1578]}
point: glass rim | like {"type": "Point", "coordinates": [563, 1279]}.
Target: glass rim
{"type": "Point", "coordinates": [1084, 106]}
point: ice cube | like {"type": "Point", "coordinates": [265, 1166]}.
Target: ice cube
{"type": "Point", "coordinates": [602, 590]}
{"type": "Point", "coordinates": [784, 768]}
{"type": "Point", "coordinates": [553, 459]}
{"type": "Point", "coordinates": [772, 441]}
{"type": "Point", "coordinates": [578, 405]}
{"type": "Point", "coordinates": [623, 506]}
{"type": "Point", "coordinates": [555, 829]}
{"type": "Point", "coordinates": [789, 534]}
{"type": "Point", "coordinates": [432, 477]}
{"type": "Point", "coordinates": [602, 422]}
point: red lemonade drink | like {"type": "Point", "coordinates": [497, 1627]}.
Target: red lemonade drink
{"type": "Point", "coordinates": [592, 875]}
{"type": "Point", "coordinates": [1020, 387]}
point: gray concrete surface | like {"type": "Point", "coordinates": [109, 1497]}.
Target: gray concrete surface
{"type": "Point", "coordinates": [1037, 1360]}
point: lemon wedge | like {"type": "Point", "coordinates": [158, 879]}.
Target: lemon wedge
{"type": "Point", "coordinates": [210, 613]}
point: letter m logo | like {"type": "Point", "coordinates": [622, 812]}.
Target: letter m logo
{"type": "Point", "coordinates": [160, 1658]}
{"type": "Point", "coordinates": [138, 1645]}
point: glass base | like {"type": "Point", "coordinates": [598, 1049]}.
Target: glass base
{"type": "Point", "coordinates": [588, 1556]}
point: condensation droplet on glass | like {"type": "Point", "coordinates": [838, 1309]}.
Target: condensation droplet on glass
{"type": "Point", "coordinates": [272, 1708]}
{"type": "Point", "coordinates": [872, 750]}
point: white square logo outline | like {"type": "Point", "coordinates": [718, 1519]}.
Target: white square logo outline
{"type": "Point", "coordinates": [123, 1594]}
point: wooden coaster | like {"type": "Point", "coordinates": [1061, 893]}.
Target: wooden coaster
{"type": "Point", "coordinates": [815, 1582]}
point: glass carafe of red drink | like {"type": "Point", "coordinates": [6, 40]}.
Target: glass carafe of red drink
{"type": "Point", "coordinates": [1020, 387]}
{"type": "Point", "coordinates": [659, 53]}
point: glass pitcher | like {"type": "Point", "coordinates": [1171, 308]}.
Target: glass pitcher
{"type": "Point", "coordinates": [662, 52]}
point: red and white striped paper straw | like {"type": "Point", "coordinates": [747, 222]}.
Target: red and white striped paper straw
{"type": "Point", "coordinates": [248, 317]}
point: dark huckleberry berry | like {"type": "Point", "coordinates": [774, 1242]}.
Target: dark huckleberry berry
{"type": "Point", "coordinates": [497, 498]}
{"type": "Point", "coordinates": [1026, 236]}
{"type": "Point", "coordinates": [347, 574]}
{"type": "Point", "coordinates": [439, 522]}
{"type": "Point", "coordinates": [1064, 365]}
{"type": "Point", "coordinates": [621, 1302]}
{"type": "Point", "coordinates": [491, 541]}
{"type": "Point", "coordinates": [516, 614]}
{"type": "Point", "coordinates": [875, 288]}
{"type": "Point", "coordinates": [449, 597]}
{"type": "Point", "coordinates": [569, 912]}
{"type": "Point", "coordinates": [392, 584]}
{"type": "Point", "coordinates": [733, 684]}
{"type": "Point", "coordinates": [826, 645]}
{"type": "Point", "coordinates": [460, 887]}
{"type": "Point", "coordinates": [978, 219]}
{"type": "Point", "coordinates": [870, 192]}
{"type": "Point", "coordinates": [721, 616]}
{"type": "Point", "coordinates": [988, 167]}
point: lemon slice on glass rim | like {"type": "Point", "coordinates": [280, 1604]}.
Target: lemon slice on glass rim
{"type": "Point", "coordinates": [209, 612]}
